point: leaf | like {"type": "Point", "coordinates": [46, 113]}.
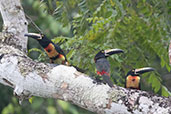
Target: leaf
{"type": "Point", "coordinates": [70, 54]}
{"type": "Point", "coordinates": [31, 100]}
{"type": "Point", "coordinates": [157, 86]}
{"type": "Point", "coordinates": [37, 50]}
{"type": "Point", "coordinates": [165, 92]}
{"type": "Point", "coordinates": [155, 82]}
{"type": "Point", "coordinates": [168, 67]}
{"type": "Point", "coordinates": [162, 62]}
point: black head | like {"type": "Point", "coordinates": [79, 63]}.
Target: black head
{"type": "Point", "coordinates": [99, 55]}
{"type": "Point", "coordinates": [137, 72]}
{"type": "Point", "coordinates": [132, 73]}
{"type": "Point", "coordinates": [41, 38]}
{"type": "Point", "coordinates": [107, 53]}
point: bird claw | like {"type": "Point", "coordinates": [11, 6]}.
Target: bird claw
{"type": "Point", "coordinates": [97, 81]}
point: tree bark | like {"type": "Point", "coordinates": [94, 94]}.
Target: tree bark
{"type": "Point", "coordinates": [14, 23]}
{"type": "Point", "coordinates": [30, 78]}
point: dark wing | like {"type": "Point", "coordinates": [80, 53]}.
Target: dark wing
{"type": "Point", "coordinates": [60, 51]}
{"type": "Point", "coordinates": [102, 65]}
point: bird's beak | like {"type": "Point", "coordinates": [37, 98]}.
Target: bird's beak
{"type": "Point", "coordinates": [112, 51]}
{"type": "Point", "coordinates": [34, 35]}
{"type": "Point", "coordinates": [143, 70]}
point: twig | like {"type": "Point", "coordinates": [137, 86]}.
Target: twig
{"type": "Point", "coordinates": [32, 22]}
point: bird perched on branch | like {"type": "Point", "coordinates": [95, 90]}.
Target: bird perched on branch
{"type": "Point", "coordinates": [133, 77]}
{"type": "Point", "coordinates": [103, 66]}
{"type": "Point", "coordinates": [54, 52]}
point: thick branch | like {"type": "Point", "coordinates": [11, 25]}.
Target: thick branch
{"type": "Point", "coordinates": [14, 22]}
{"type": "Point", "coordinates": [62, 82]}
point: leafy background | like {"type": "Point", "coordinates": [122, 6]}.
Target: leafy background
{"type": "Point", "coordinates": [83, 27]}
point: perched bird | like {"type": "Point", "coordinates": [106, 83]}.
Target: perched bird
{"type": "Point", "coordinates": [54, 52]}
{"type": "Point", "coordinates": [103, 66]}
{"type": "Point", "coordinates": [133, 77]}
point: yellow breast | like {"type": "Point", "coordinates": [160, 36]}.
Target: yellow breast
{"type": "Point", "coordinates": [132, 82]}
{"type": "Point", "coordinates": [51, 51]}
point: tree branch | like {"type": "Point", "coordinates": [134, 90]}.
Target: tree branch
{"type": "Point", "coordinates": [14, 23]}
{"type": "Point", "coordinates": [29, 78]}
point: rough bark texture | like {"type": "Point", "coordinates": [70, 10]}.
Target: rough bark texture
{"type": "Point", "coordinates": [14, 23]}
{"type": "Point", "coordinates": [29, 78]}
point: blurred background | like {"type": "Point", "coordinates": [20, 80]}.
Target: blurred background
{"type": "Point", "coordinates": [84, 27]}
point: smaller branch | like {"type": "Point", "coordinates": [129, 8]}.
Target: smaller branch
{"type": "Point", "coordinates": [8, 82]}
{"type": "Point", "coordinates": [34, 24]}
{"type": "Point", "coordinates": [14, 23]}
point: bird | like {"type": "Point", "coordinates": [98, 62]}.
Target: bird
{"type": "Point", "coordinates": [54, 52]}
{"type": "Point", "coordinates": [103, 66]}
{"type": "Point", "coordinates": [133, 79]}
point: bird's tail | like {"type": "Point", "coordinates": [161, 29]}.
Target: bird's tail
{"type": "Point", "coordinates": [79, 69]}
{"type": "Point", "coordinates": [106, 79]}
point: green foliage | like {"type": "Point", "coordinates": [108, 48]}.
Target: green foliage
{"type": "Point", "coordinates": [42, 56]}
{"type": "Point", "coordinates": [9, 109]}
{"type": "Point", "coordinates": [66, 106]}
{"type": "Point", "coordinates": [12, 107]}
{"type": "Point", "coordinates": [51, 110]}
